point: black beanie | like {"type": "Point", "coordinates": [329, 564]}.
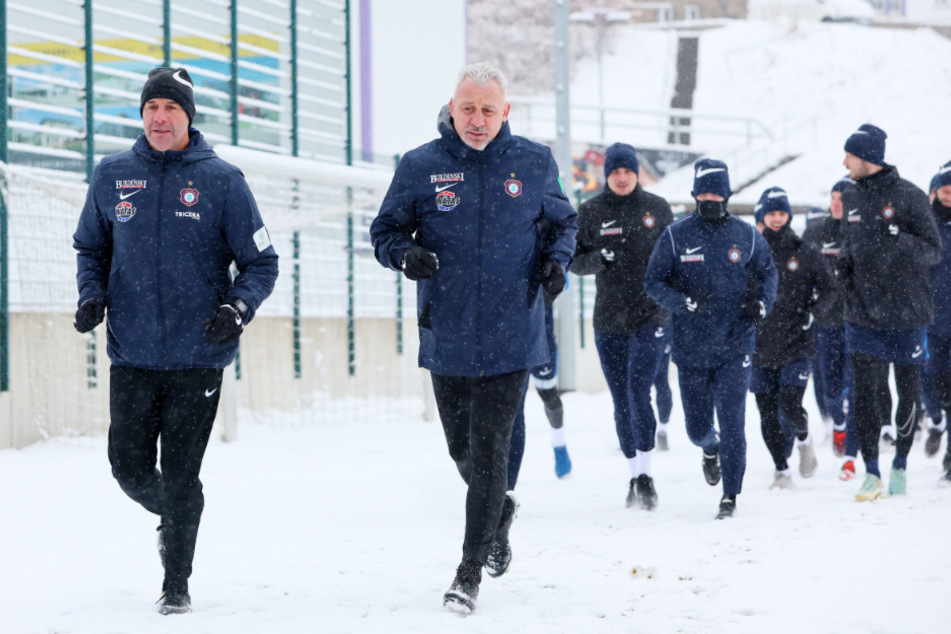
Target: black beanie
{"type": "Point", "coordinates": [170, 83]}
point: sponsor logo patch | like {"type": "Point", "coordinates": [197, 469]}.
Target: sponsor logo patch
{"type": "Point", "coordinates": [262, 239]}
{"type": "Point", "coordinates": [698, 257]}
{"type": "Point", "coordinates": [131, 184]}
{"type": "Point", "coordinates": [124, 212]}
{"type": "Point", "coordinates": [445, 178]}
{"type": "Point", "coordinates": [447, 201]}
{"type": "Point", "coordinates": [613, 231]}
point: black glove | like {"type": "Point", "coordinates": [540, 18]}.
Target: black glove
{"type": "Point", "coordinates": [553, 278]}
{"type": "Point", "coordinates": [696, 302]}
{"type": "Point", "coordinates": [418, 263]}
{"type": "Point", "coordinates": [225, 326]}
{"type": "Point", "coordinates": [843, 267]}
{"type": "Point", "coordinates": [89, 314]}
{"type": "Point", "coordinates": [607, 257]}
{"type": "Point", "coordinates": [754, 311]}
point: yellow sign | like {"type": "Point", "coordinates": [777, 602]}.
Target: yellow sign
{"type": "Point", "coordinates": [137, 47]}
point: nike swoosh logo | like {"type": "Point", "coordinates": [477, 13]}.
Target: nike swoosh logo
{"type": "Point", "coordinates": [809, 324]}
{"type": "Point", "coordinates": [604, 225]}
{"type": "Point", "coordinates": [693, 250]}
{"type": "Point", "coordinates": [803, 377]}
{"type": "Point", "coordinates": [852, 212]}
{"type": "Point", "coordinates": [130, 194]}
{"type": "Point", "coordinates": [177, 76]}
{"type": "Point", "coordinates": [211, 391]}
{"type": "Point", "coordinates": [916, 353]}
{"type": "Point", "coordinates": [439, 189]}
{"type": "Point", "coordinates": [659, 333]}
{"type": "Point", "coordinates": [746, 363]}
{"type": "Point", "coordinates": [710, 170]}
{"type": "Point", "coordinates": [828, 245]}
{"type": "Point", "coordinates": [860, 132]}
{"type": "Point", "coordinates": [945, 169]}
{"type": "Point", "coordinates": [776, 195]}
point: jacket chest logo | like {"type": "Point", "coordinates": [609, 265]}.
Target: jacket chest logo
{"type": "Point", "coordinates": [792, 264]}
{"type": "Point", "coordinates": [649, 221]}
{"type": "Point", "coordinates": [888, 211]}
{"type": "Point", "coordinates": [447, 201]}
{"type": "Point", "coordinates": [513, 187]}
{"type": "Point", "coordinates": [734, 254]}
{"type": "Point", "coordinates": [188, 196]}
{"type": "Point", "coordinates": [124, 211]}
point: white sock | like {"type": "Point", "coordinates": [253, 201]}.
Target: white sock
{"type": "Point", "coordinates": [558, 437]}
{"type": "Point", "coordinates": [643, 459]}
{"type": "Point", "coordinates": [786, 472]}
{"type": "Point", "coordinates": [662, 427]}
{"type": "Point", "coordinates": [632, 464]}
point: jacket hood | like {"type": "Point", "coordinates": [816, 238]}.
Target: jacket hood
{"type": "Point", "coordinates": [458, 148]}
{"type": "Point", "coordinates": [197, 150]}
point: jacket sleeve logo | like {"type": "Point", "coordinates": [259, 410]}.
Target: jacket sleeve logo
{"type": "Point", "coordinates": [447, 201]}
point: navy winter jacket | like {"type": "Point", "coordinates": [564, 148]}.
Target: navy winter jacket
{"type": "Point", "coordinates": [730, 262]}
{"type": "Point", "coordinates": [886, 278]}
{"type": "Point", "coordinates": [941, 274]}
{"type": "Point", "coordinates": [491, 217]}
{"type": "Point", "coordinates": [156, 238]}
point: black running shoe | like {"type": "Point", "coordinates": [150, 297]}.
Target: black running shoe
{"type": "Point", "coordinates": [631, 494]}
{"type": "Point", "coordinates": [933, 442]}
{"type": "Point", "coordinates": [462, 594]}
{"type": "Point", "coordinates": [646, 495]}
{"type": "Point", "coordinates": [711, 468]}
{"type": "Point", "coordinates": [174, 599]}
{"type": "Point", "coordinates": [727, 508]}
{"type": "Point", "coordinates": [500, 553]}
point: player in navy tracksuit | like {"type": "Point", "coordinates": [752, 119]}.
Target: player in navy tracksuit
{"type": "Point", "coordinates": [156, 239]}
{"type": "Point", "coordinates": [938, 366]}
{"type": "Point", "coordinates": [545, 380]}
{"type": "Point", "coordinates": [784, 340]}
{"type": "Point", "coordinates": [616, 235]}
{"type": "Point", "coordinates": [827, 235]}
{"type": "Point", "coordinates": [479, 220]}
{"type": "Point", "coordinates": [715, 274]}
{"type": "Point", "coordinates": [891, 243]}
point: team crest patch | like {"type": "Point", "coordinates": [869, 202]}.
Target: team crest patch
{"type": "Point", "coordinates": [447, 201]}
{"type": "Point", "coordinates": [888, 212]}
{"type": "Point", "coordinates": [792, 264]}
{"type": "Point", "coordinates": [124, 212]}
{"type": "Point", "coordinates": [513, 188]}
{"type": "Point", "coordinates": [189, 197]}
{"type": "Point", "coordinates": [649, 221]}
{"type": "Point", "coordinates": [734, 255]}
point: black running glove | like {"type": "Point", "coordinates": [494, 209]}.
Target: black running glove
{"type": "Point", "coordinates": [89, 314]}
{"type": "Point", "coordinates": [696, 302]}
{"type": "Point", "coordinates": [418, 263]}
{"type": "Point", "coordinates": [553, 279]}
{"type": "Point", "coordinates": [225, 326]}
{"type": "Point", "coordinates": [754, 311]}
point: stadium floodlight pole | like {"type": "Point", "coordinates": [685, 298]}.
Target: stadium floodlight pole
{"type": "Point", "coordinates": [167, 32]}
{"type": "Point", "coordinates": [565, 305]}
{"type": "Point", "coordinates": [4, 252]}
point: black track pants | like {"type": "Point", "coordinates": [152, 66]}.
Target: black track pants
{"type": "Point", "coordinates": [477, 416]}
{"type": "Point", "coordinates": [873, 403]}
{"type": "Point", "coordinates": [788, 401]}
{"type": "Point", "coordinates": [176, 407]}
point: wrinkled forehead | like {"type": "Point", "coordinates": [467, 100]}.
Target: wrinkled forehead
{"type": "Point", "coordinates": [469, 92]}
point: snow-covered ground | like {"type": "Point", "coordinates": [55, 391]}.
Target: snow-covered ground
{"type": "Point", "coordinates": [357, 527]}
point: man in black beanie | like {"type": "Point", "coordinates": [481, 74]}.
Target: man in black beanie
{"type": "Point", "coordinates": [617, 230]}
{"type": "Point", "coordinates": [890, 243]}
{"type": "Point", "coordinates": [160, 228]}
